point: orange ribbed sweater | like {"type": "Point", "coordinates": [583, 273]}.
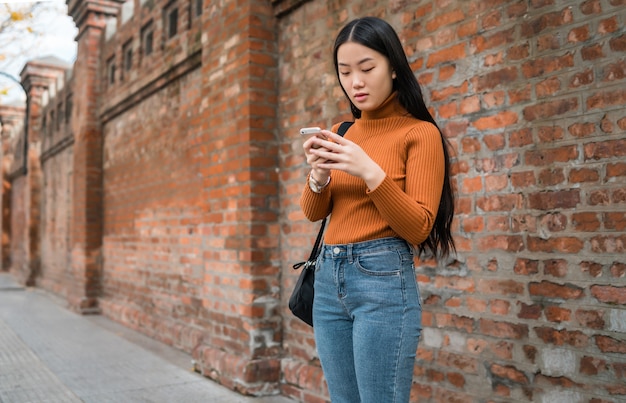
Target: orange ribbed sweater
{"type": "Point", "coordinates": [405, 204]}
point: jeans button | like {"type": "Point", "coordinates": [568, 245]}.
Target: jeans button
{"type": "Point", "coordinates": [336, 251]}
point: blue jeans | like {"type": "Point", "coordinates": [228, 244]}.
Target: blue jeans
{"type": "Point", "coordinates": [367, 319]}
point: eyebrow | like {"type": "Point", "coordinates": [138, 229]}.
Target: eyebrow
{"type": "Point", "coordinates": [367, 59]}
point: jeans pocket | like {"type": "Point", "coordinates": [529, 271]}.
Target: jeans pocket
{"type": "Point", "coordinates": [379, 263]}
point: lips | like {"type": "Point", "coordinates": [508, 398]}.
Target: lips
{"type": "Point", "coordinates": [360, 97]}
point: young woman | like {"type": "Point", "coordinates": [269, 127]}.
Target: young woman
{"type": "Point", "coordinates": [386, 185]}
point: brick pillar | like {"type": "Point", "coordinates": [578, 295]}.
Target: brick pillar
{"type": "Point", "coordinates": [11, 126]}
{"type": "Point", "coordinates": [86, 224]}
{"type": "Point", "coordinates": [240, 97]}
{"type": "Point", "coordinates": [25, 174]}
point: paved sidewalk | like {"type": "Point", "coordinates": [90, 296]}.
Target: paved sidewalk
{"type": "Point", "coordinates": [50, 354]}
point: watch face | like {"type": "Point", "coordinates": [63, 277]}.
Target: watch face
{"type": "Point", "coordinates": [314, 187]}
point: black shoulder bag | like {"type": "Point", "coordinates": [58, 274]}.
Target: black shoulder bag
{"type": "Point", "coordinates": [301, 300]}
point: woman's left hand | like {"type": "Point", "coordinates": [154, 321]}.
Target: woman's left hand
{"type": "Point", "coordinates": [347, 156]}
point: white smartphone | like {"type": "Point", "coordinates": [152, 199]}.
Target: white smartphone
{"type": "Point", "coordinates": [307, 131]}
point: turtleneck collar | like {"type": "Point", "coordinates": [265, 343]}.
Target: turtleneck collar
{"type": "Point", "coordinates": [390, 107]}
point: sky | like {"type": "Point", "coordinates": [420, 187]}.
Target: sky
{"type": "Point", "coordinates": [54, 34]}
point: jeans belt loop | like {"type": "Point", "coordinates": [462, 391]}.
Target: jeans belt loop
{"type": "Point", "coordinates": [349, 253]}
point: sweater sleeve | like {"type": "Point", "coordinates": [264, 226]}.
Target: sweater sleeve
{"type": "Point", "coordinates": [315, 206]}
{"type": "Point", "coordinates": [411, 212]}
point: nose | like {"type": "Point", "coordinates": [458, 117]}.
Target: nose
{"type": "Point", "coordinates": [357, 82]}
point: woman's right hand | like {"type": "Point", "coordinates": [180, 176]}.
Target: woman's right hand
{"type": "Point", "coordinates": [319, 174]}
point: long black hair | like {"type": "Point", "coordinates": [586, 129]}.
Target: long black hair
{"type": "Point", "coordinates": [378, 35]}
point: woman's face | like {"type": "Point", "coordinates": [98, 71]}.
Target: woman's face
{"type": "Point", "coordinates": [365, 75]}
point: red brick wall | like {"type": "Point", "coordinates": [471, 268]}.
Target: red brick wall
{"type": "Point", "coordinates": [26, 176]}
{"type": "Point", "coordinates": [85, 240]}
{"type": "Point", "coordinates": [19, 228]}
{"type": "Point", "coordinates": [11, 129]}
{"type": "Point", "coordinates": [187, 174]}
{"type": "Point", "coordinates": [152, 268]}
{"type": "Point", "coordinates": [57, 165]}
{"type": "Point", "coordinates": [190, 242]}
{"type": "Point", "coordinates": [531, 96]}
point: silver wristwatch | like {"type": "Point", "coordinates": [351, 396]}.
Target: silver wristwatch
{"type": "Point", "coordinates": [315, 185]}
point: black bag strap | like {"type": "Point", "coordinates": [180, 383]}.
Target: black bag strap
{"type": "Point", "coordinates": [343, 128]}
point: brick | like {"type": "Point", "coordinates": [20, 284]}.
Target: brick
{"type": "Point", "coordinates": [497, 163]}
{"type": "Point", "coordinates": [551, 177]}
{"type": "Point", "coordinates": [605, 99]}
{"type": "Point", "coordinates": [592, 365]}
{"type": "Point", "coordinates": [458, 362]}
{"type": "Point", "coordinates": [556, 267]}
{"type": "Point", "coordinates": [520, 138]}
{"type": "Point", "coordinates": [562, 337]}
{"type": "Point", "coordinates": [456, 379]}
{"type": "Point", "coordinates": [473, 224]}
{"type": "Point", "coordinates": [587, 222]}
{"type": "Point", "coordinates": [526, 266]}
{"type": "Point", "coordinates": [470, 145]}
{"type": "Point", "coordinates": [523, 179]}
{"type": "Point", "coordinates": [594, 269]}
{"type": "Point", "coordinates": [556, 381]}
{"type": "Point", "coordinates": [557, 314]}
{"type": "Point", "coordinates": [584, 175]}
{"type": "Point", "coordinates": [455, 52]}
{"type": "Point", "coordinates": [608, 344]}
{"type": "Point", "coordinates": [609, 294]}
{"type": "Point", "coordinates": [499, 223]}
{"type": "Point", "coordinates": [548, 87]}
{"type": "Point", "coordinates": [530, 352]}
{"type": "Point", "coordinates": [494, 79]}
{"type": "Point", "coordinates": [499, 202]}
{"type": "Point", "coordinates": [582, 79]}
{"type": "Point", "coordinates": [579, 34]}
{"type": "Point", "coordinates": [510, 373]}
{"type": "Point", "coordinates": [618, 44]}
{"type": "Point", "coordinates": [590, 7]}
{"type": "Point", "coordinates": [501, 287]}
{"type": "Point", "coordinates": [614, 72]}
{"type": "Point", "coordinates": [503, 329]}
{"type": "Point", "coordinates": [496, 183]}
{"type": "Point", "coordinates": [502, 119]}
{"type": "Point", "coordinates": [615, 170]}
{"type": "Point", "coordinates": [600, 197]}
{"type": "Point", "coordinates": [608, 244]}
{"type": "Point", "coordinates": [548, 42]}
{"type": "Point", "coordinates": [507, 243]}
{"type": "Point", "coordinates": [554, 200]}
{"type": "Point", "coordinates": [547, 157]}
{"type": "Point", "coordinates": [618, 270]}
{"type": "Point", "coordinates": [533, 311]}
{"type": "Point", "coordinates": [552, 109]}
{"type": "Point", "coordinates": [582, 129]}
{"type": "Point", "coordinates": [444, 19]}
{"type": "Point", "coordinates": [470, 105]}
{"type": "Point", "coordinates": [519, 95]}
{"type": "Point", "coordinates": [500, 307]}
{"type": "Point", "coordinates": [602, 150]}
{"type": "Point", "coordinates": [549, 289]}
{"type": "Point", "coordinates": [545, 21]}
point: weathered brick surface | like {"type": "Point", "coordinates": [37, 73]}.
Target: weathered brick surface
{"type": "Point", "coordinates": [170, 195]}
{"type": "Point", "coordinates": [11, 129]}
{"type": "Point", "coordinates": [529, 95]}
